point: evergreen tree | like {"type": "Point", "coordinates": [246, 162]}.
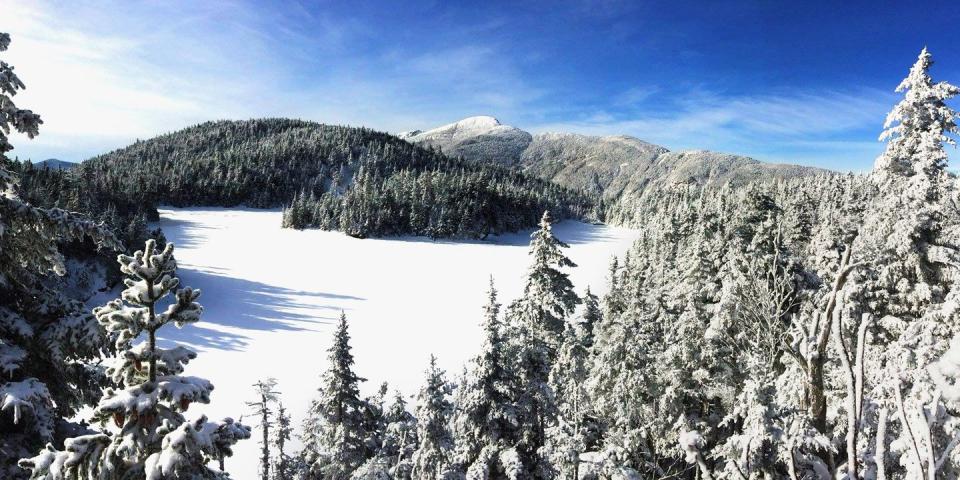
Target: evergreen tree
{"type": "Point", "coordinates": [283, 466]}
{"type": "Point", "coordinates": [433, 459]}
{"type": "Point", "coordinates": [152, 439]}
{"type": "Point", "coordinates": [538, 319]}
{"type": "Point", "coordinates": [266, 396]}
{"type": "Point", "coordinates": [485, 424]}
{"type": "Point", "coordinates": [400, 438]}
{"type": "Point", "coordinates": [592, 316]}
{"type": "Point", "coordinates": [568, 438]}
{"type": "Point", "coordinates": [911, 174]}
{"type": "Point", "coordinates": [375, 422]}
{"type": "Point", "coordinates": [48, 341]}
{"type": "Point", "coordinates": [333, 432]}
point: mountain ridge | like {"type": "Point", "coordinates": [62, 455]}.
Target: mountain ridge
{"type": "Point", "coordinates": [609, 165]}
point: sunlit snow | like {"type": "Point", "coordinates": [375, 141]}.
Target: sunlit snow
{"type": "Point", "coordinates": [271, 296]}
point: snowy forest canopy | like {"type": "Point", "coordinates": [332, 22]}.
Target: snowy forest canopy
{"type": "Point", "coordinates": [802, 329]}
{"type": "Point", "coordinates": [359, 181]}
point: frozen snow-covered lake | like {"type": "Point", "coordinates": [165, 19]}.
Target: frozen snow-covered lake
{"type": "Point", "coordinates": [272, 295]}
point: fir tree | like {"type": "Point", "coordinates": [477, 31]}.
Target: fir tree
{"type": "Point", "coordinates": [283, 466]}
{"type": "Point", "coordinates": [538, 319]}
{"type": "Point", "coordinates": [568, 438]}
{"type": "Point", "coordinates": [433, 458]}
{"type": "Point", "coordinates": [592, 316]}
{"type": "Point", "coordinates": [152, 439]}
{"type": "Point", "coordinates": [911, 176]}
{"type": "Point", "coordinates": [485, 424]}
{"type": "Point", "coordinates": [400, 438]}
{"type": "Point", "coordinates": [333, 432]}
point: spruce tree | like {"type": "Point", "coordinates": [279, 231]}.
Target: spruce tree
{"type": "Point", "coordinates": [283, 466]}
{"type": "Point", "coordinates": [592, 316]}
{"type": "Point", "coordinates": [400, 438]}
{"type": "Point", "coordinates": [151, 439]}
{"type": "Point", "coordinates": [907, 220]}
{"type": "Point", "coordinates": [333, 432]}
{"type": "Point", "coordinates": [485, 424]}
{"type": "Point", "coordinates": [568, 438]}
{"type": "Point", "coordinates": [538, 318]}
{"type": "Point", "coordinates": [548, 295]}
{"type": "Point", "coordinates": [433, 459]}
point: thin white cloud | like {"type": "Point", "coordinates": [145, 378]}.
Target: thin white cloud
{"type": "Point", "coordinates": [796, 127]}
{"type": "Point", "coordinates": [102, 75]}
{"type": "Point", "coordinates": [635, 96]}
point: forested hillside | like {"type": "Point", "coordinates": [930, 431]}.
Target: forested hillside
{"type": "Point", "coordinates": [619, 169]}
{"type": "Point", "coordinates": [357, 180]}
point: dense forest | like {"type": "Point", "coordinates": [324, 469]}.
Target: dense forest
{"type": "Point", "coordinates": [360, 181]}
{"type": "Point", "coordinates": [801, 329]}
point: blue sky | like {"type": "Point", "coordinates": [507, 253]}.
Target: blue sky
{"type": "Point", "coordinates": [798, 82]}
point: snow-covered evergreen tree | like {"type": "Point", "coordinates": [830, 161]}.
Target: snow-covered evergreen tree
{"type": "Point", "coordinates": [911, 254]}
{"type": "Point", "coordinates": [908, 218]}
{"type": "Point", "coordinates": [400, 438]}
{"type": "Point", "coordinates": [485, 425]}
{"type": "Point", "coordinates": [537, 320]}
{"type": "Point", "coordinates": [11, 117]}
{"type": "Point", "coordinates": [284, 466]}
{"type": "Point", "coordinates": [433, 459]}
{"type": "Point", "coordinates": [568, 438]}
{"type": "Point", "coordinates": [152, 439]}
{"type": "Point", "coordinates": [48, 342]}
{"type": "Point", "coordinates": [375, 422]}
{"type": "Point", "coordinates": [592, 315]}
{"type": "Point", "coordinates": [266, 396]}
{"type": "Point", "coordinates": [333, 432]}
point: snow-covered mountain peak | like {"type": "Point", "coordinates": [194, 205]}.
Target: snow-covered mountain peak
{"type": "Point", "coordinates": [468, 127]}
{"type": "Point", "coordinates": [478, 122]}
{"type": "Point", "coordinates": [478, 138]}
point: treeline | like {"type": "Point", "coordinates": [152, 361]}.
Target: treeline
{"type": "Point", "coordinates": [436, 203]}
{"type": "Point", "coordinates": [329, 176]}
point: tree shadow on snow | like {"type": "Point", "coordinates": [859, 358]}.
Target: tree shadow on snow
{"type": "Point", "coordinates": [246, 305]}
{"type": "Point", "coordinates": [187, 232]}
{"type": "Point", "coordinates": [575, 233]}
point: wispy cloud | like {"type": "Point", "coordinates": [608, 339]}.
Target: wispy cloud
{"type": "Point", "coordinates": [101, 78]}
{"type": "Point", "coordinates": [792, 127]}
{"type": "Point", "coordinates": [97, 86]}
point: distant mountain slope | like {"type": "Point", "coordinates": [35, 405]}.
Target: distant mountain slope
{"type": "Point", "coordinates": [475, 138]}
{"type": "Point", "coordinates": [601, 165]}
{"type": "Point", "coordinates": [609, 166]}
{"type": "Point", "coordinates": [54, 164]}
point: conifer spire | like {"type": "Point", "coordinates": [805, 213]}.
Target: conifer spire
{"type": "Point", "coordinates": [333, 432]}
{"type": "Point", "coordinates": [152, 440]}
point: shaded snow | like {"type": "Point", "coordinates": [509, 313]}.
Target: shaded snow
{"type": "Point", "coordinates": [272, 296]}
